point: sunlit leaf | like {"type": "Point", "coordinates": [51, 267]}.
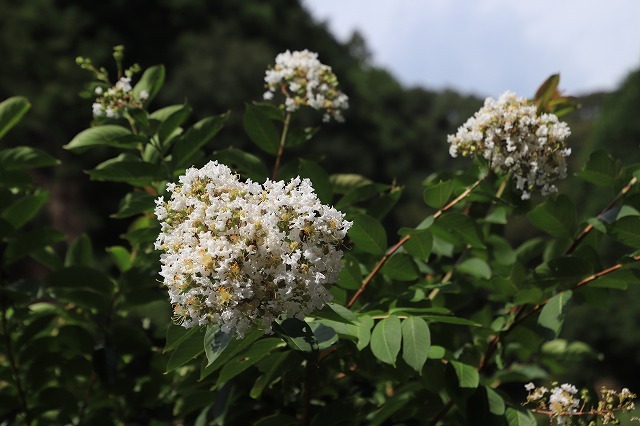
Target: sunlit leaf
{"type": "Point", "coordinates": [416, 342]}
{"type": "Point", "coordinates": [386, 339]}
{"type": "Point", "coordinates": [11, 111]}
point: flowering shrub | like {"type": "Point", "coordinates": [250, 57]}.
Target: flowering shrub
{"type": "Point", "coordinates": [289, 297]}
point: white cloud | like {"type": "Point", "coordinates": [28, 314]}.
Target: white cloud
{"type": "Point", "coordinates": [488, 46]}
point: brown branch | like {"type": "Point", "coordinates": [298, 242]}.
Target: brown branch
{"type": "Point", "coordinates": [589, 227]}
{"type": "Point", "coordinates": [404, 239]}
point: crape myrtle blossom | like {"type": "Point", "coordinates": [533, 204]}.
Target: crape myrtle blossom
{"type": "Point", "coordinates": [304, 80]}
{"type": "Point", "coordinates": [514, 139]}
{"type": "Point", "coordinates": [240, 254]}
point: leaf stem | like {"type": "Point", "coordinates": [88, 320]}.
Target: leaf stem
{"type": "Point", "coordinates": [406, 238]}
{"type": "Point", "coordinates": [283, 139]}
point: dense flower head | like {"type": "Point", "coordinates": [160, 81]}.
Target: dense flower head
{"type": "Point", "coordinates": [304, 80]}
{"type": "Point", "coordinates": [513, 138]}
{"type": "Point", "coordinates": [113, 102]}
{"type": "Point", "coordinates": [240, 254]}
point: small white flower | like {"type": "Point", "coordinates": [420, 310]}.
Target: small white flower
{"type": "Point", "coordinates": [144, 95]}
{"type": "Point", "coordinates": [99, 91]}
{"type": "Point", "coordinates": [530, 386]}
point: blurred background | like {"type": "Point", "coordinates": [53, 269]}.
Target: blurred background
{"type": "Point", "coordinates": [414, 72]}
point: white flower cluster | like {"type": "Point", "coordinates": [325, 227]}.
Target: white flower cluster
{"type": "Point", "coordinates": [564, 403]}
{"type": "Point", "coordinates": [112, 102]}
{"type": "Point", "coordinates": [514, 139]}
{"type": "Point", "coordinates": [304, 80]}
{"type": "Point", "coordinates": [240, 254]}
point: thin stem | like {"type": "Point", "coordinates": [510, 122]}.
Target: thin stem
{"type": "Point", "coordinates": [283, 139]}
{"type": "Point", "coordinates": [589, 227]}
{"type": "Point", "coordinates": [404, 239]}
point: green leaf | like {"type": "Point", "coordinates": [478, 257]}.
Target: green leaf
{"type": "Point", "coordinates": [135, 173]}
{"type": "Point", "coordinates": [343, 183]}
{"type": "Point", "coordinates": [188, 146]}
{"type": "Point", "coordinates": [386, 339]}
{"type": "Point", "coordinates": [368, 235]}
{"type": "Point", "coordinates": [80, 253]}
{"type": "Point", "coordinates": [243, 163]}
{"type": "Point", "coordinates": [235, 347]}
{"type": "Point", "coordinates": [436, 195]}
{"type": "Point", "coordinates": [246, 359]}
{"type": "Point", "coordinates": [277, 420]}
{"type": "Point", "coordinates": [601, 169]}
{"type": "Point", "coordinates": [627, 231]}
{"type": "Point", "coordinates": [475, 267]}
{"type": "Point", "coordinates": [215, 342]}
{"type": "Point", "coordinates": [172, 118]}
{"type": "Point", "coordinates": [298, 334]}
{"type": "Point", "coordinates": [400, 267]}
{"type": "Point", "coordinates": [24, 209]}
{"type": "Point", "coordinates": [187, 348]}
{"type": "Point", "coordinates": [11, 111]}
{"type": "Point", "coordinates": [419, 245]}
{"type": "Point", "coordinates": [319, 178]}
{"type": "Point", "coordinates": [25, 157]}
{"type": "Point", "coordinates": [82, 277]}
{"type": "Point", "coordinates": [274, 363]}
{"type": "Point", "coordinates": [361, 193]}
{"type": "Point", "coordinates": [335, 312]}
{"type": "Point", "coordinates": [416, 342]}
{"type": "Point", "coordinates": [468, 376]}
{"type": "Point", "coordinates": [30, 242]}
{"type": "Point", "coordinates": [121, 257]}
{"type": "Point", "coordinates": [298, 136]}
{"type": "Point", "coordinates": [496, 403]}
{"type": "Point", "coordinates": [151, 81]}
{"type": "Point", "coordinates": [462, 226]}
{"type": "Point", "coordinates": [552, 314]}
{"type": "Point", "coordinates": [350, 277]}
{"type": "Point", "coordinates": [135, 203]}
{"type": "Point", "coordinates": [436, 352]}
{"type": "Point", "coordinates": [107, 135]}
{"type": "Point", "coordinates": [261, 129]}
{"type": "Point", "coordinates": [555, 217]}
{"type": "Point", "coordinates": [520, 417]}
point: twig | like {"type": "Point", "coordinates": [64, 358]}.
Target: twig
{"type": "Point", "coordinates": [404, 239]}
{"type": "Point", "coordinates": [589, 227]}
{"type": "Point", "coordinates": [283, 139]}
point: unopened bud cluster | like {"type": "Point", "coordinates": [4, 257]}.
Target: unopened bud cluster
{"type": "Point", "coordinates": [514, 139]}
{"type": "Point", "coordinates": [240, 254]}
{"type": "Point", "coordinates": [112, 102]}
{"type": "Point", "coordinates": [304, 80]}
{"type": "Point", "coordinates": [564, 405]}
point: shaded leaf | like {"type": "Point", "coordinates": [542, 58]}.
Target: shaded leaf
{"type": "Point", "coordinates": [243, 163]}
{"type": "Point", "coordinates": [436, 195]}
{"type": "Point", "coordinates": [25, 157]}
{"type": "Point", "coordinates": [151, 81]}
{"type": "Point", "coordinates": [24, 209]}
{"type": "Point", "coordinates": [552, 314]}
{"type": "Point", "coordinates": [215, 342]}
{"type": "Point", "coordinates": [187, 147]}
{"type": "Point", "coordinates": [135, 173]}
{"type": "Point", "coordinates": [107, 135]}
{"type": "Point", "coordinates": [475, 267]}
{"type": "Point", "coordinates": [400, 267]}
{"type": "Point", "coordinates": [261, 129]}
{"type": "Point", "coordinates": [555, 217]}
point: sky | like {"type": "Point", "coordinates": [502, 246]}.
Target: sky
{"type": "Point", "coordinates": [485, 47]}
